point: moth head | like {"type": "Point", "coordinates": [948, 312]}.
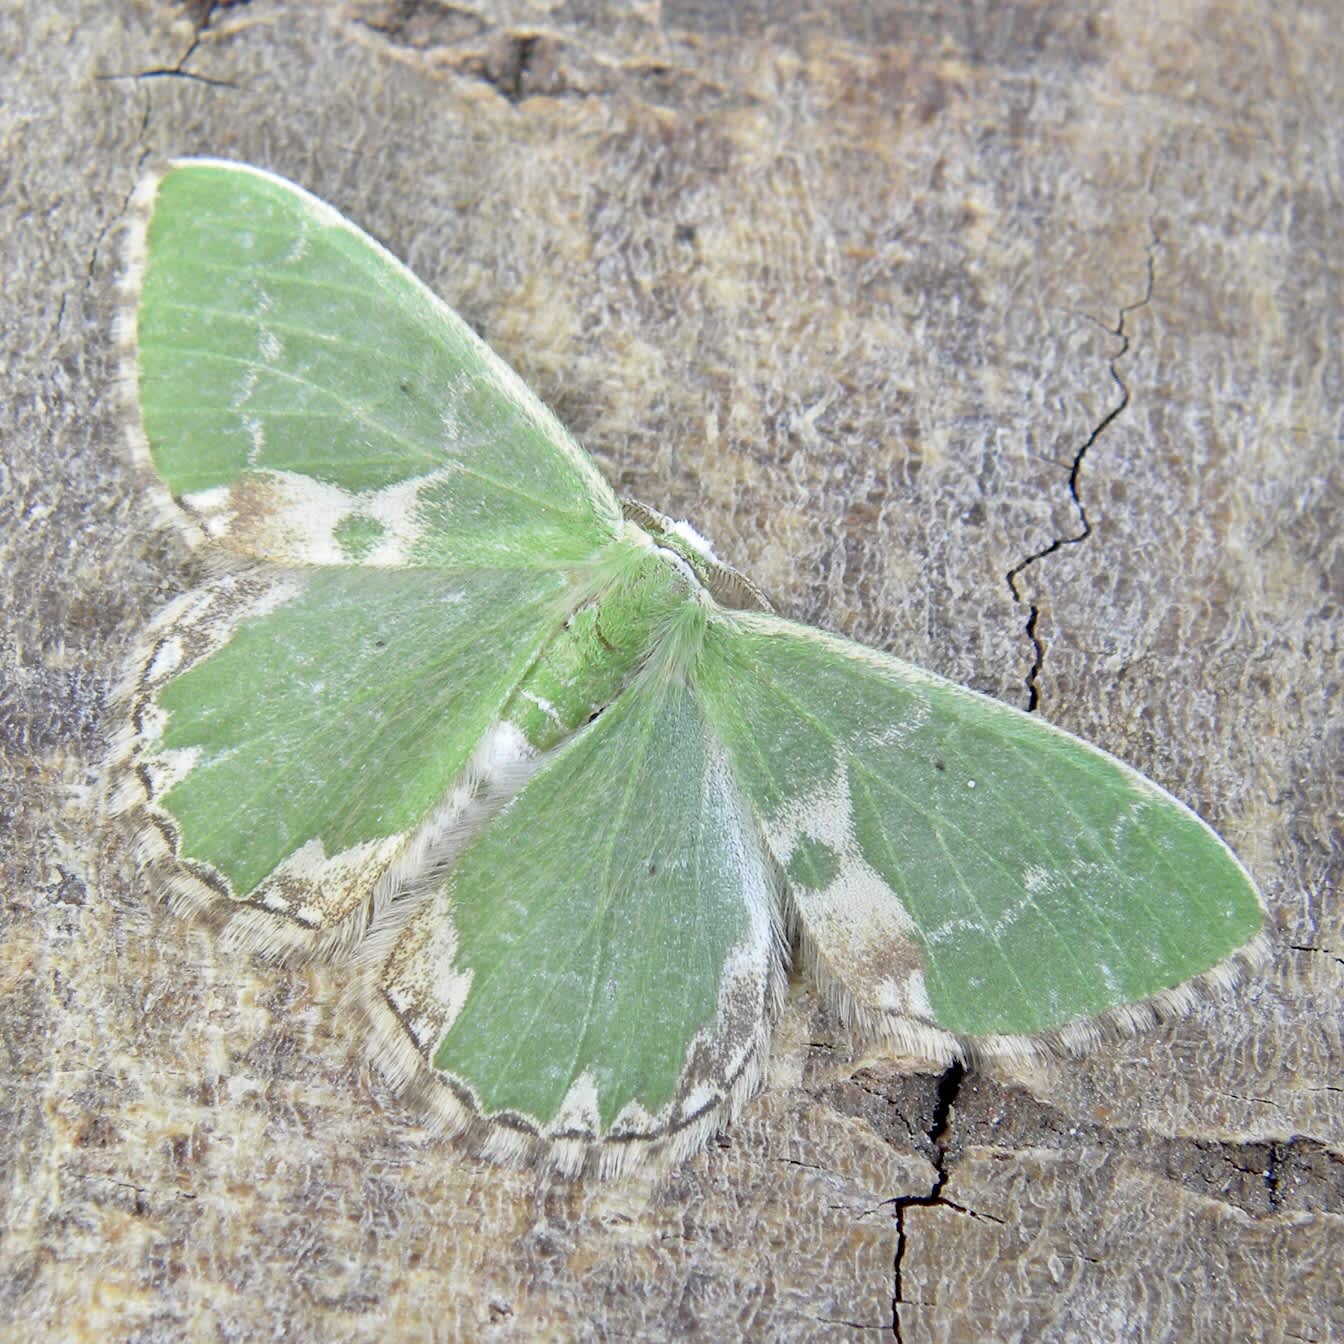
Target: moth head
{"type": "Point", "coordinates": [725, 585]}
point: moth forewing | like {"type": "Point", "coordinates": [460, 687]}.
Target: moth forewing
{"type": "Point", "coordinates": [443, 706]}
{"type": "Point", "coordinates": [968, 878]}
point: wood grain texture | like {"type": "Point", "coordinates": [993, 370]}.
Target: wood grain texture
{"type": "Point", "coordinates": [895, 303]}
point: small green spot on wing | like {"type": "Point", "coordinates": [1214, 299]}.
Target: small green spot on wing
{"type": "Point", "coordinates": [275, 336]}
{"type": "Point", "coordinates": [600, 960]}
{"type": "Point", "coordinates": [357, 534]}
{"type": "Point", "coordinates": [813, 864]}
{"type": "Point", "coordinates": [1044, 880]}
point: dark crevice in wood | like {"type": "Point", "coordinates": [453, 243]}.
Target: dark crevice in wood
{"type": "Point", "coordinates": [201, 12]}
{"type": "Point", "coordinates": [1032, 679]}
{"type": "Point", "coordinates": [939, 1133]}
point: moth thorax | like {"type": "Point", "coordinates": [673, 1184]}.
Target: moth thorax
{"type": "Point", "coordinates": [724, 584]}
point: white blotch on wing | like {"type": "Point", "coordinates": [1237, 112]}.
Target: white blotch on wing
{"type": "Point", "coordinates": [1038, 881]}
{"type": "Point", "coordinates": [247, 384]}
{"type": "Point", "coordinates": [256, 432]}
{"type": "Point", "coordinates": [1134, 819]}
{"type": "Point", "coordinates": [303, 241]}
{"type": "Point", "coordinates": [167, 767]}
{"type": "Point", "coordinates": [441, 980]}
{"type": "Point", "coordinates": [425, 1028]}
{"type": "Point", "coordinates": [579, 1113]}
{"type": "Point", "coordinates": [502, 752]}
{"type": "Point", "coordinates": [311, 866]}
{"type": "Point", "coordinates": [422, 1031]}
{"type": "Point", "coordinates": [292, 518]}
{"type": "Point", "coordinates": [702, 1094]}
{"type": "Point", "coordinates": [1039, 885]}
{"type": "Point", "coordinates": [858, 905]}
{"type": "Point", "coordinates": [167, 659]}
{"type": "Point", "coordinates": [455, 394]}
{"type": "Point", "coordinates": [210, 508]}
{"type": "Point", "coordinates": [907, 995]}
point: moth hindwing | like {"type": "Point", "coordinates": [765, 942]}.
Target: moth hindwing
{"type": "Point", "coordinates": [548, 774]}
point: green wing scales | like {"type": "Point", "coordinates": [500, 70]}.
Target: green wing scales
{"type": "Point", "coordinates": [440, 704]}
{"type": "Point", "coordinates": [309, 400]}
{"type": "Point", "coordinates": [964, 875]}
{"type": "Point", "coordinates": [407, 523]}
{"type": "Point", "coordinates": [595, 977]}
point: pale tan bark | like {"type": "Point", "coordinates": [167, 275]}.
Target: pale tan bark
{"type": "Point", "coordinates": [855, 288]}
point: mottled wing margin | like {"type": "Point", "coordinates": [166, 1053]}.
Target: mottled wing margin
{"type": "Point", "coordinates": [307, 400]}
{"type": "Point", "coordinates": [964, 875]}
{"type": "Point", "coordinates": [592, 985]}
{"type": "Point", "coordinates": [299, 739]}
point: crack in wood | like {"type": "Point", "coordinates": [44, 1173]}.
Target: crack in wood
{"type": "Point", "coordinates": [939, 1134]}
{"type": "Point", "coordinates": [1032, 679]}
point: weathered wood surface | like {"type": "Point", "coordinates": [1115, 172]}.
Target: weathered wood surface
{"type": "Point", "coordinates": [860, 289]}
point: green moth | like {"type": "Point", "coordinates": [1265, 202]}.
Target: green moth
{"type": "Point", "coordinates": [558, 785]}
